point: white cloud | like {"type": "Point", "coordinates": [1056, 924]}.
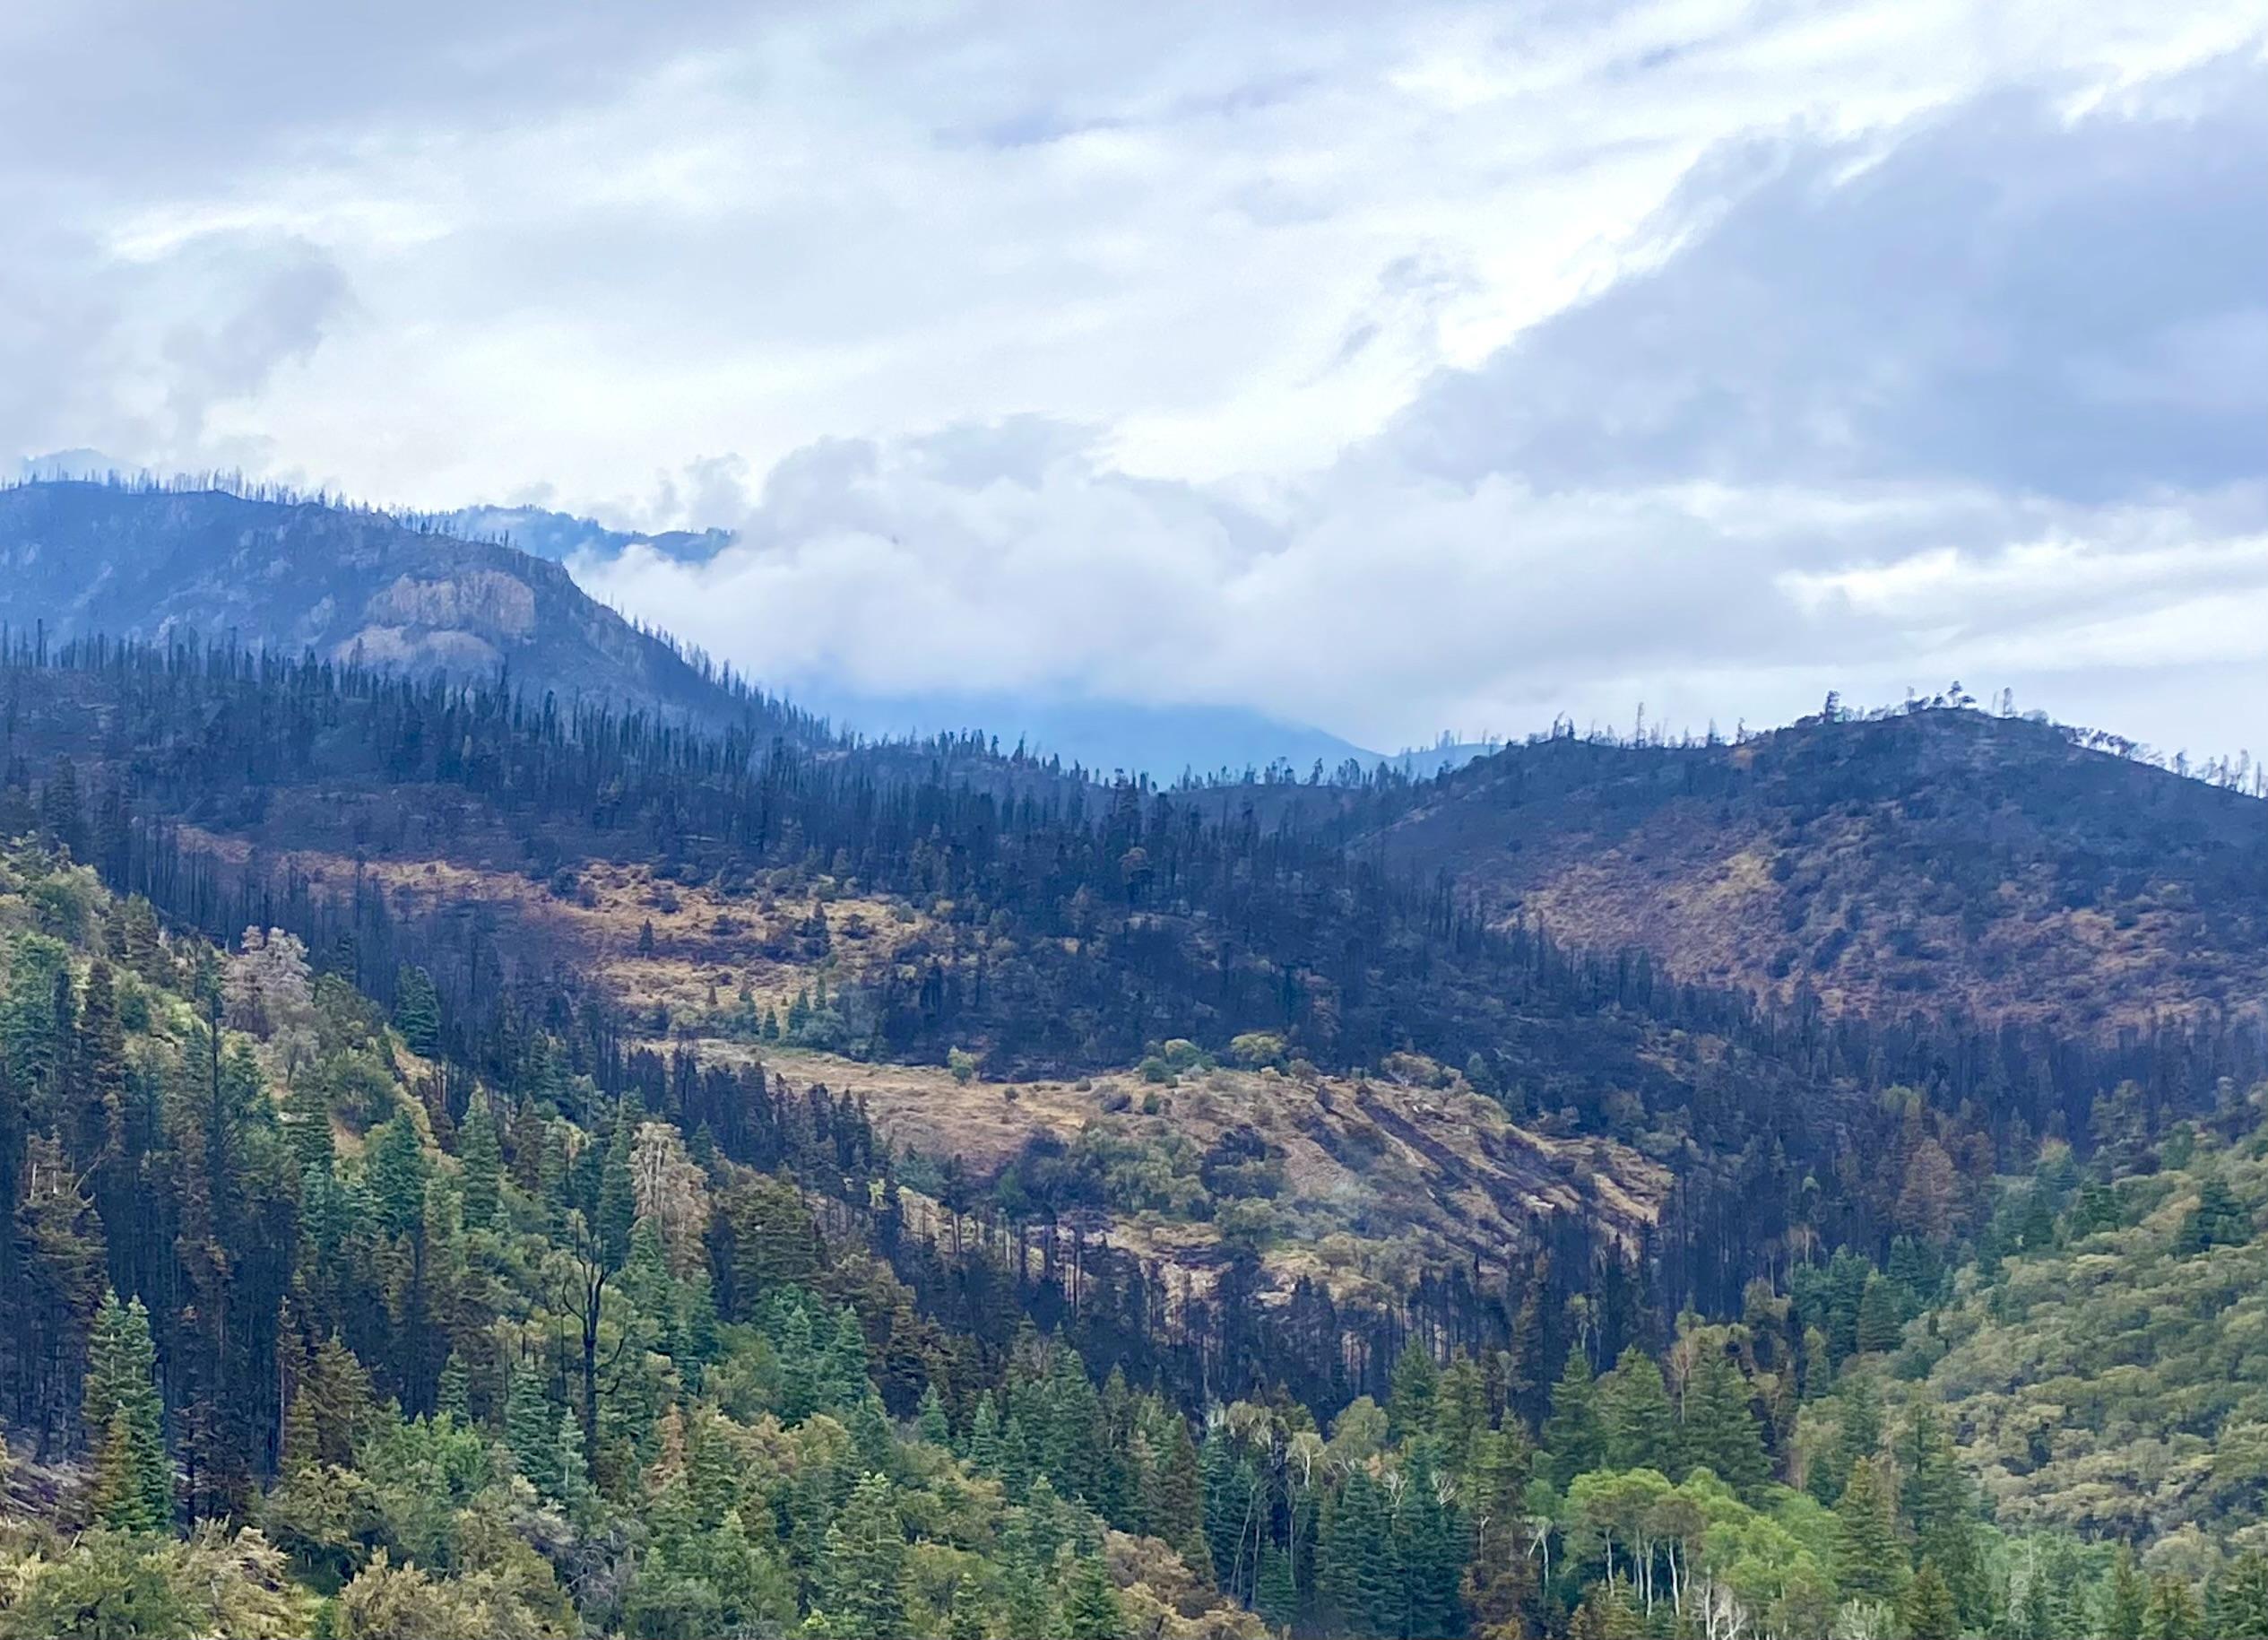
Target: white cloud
{"type": "Point", "coordinates": [1381, 367]}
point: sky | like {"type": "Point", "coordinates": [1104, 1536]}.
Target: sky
{"type": "Point", "coordinates": [1383, 369]}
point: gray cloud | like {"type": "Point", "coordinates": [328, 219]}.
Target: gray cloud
{"type": "Point", "coordinates": [133, 355]}
{"type": "Point", "coordinates": [2074, 310]}
{"type": "Point", "coordinates": [1943, 406]}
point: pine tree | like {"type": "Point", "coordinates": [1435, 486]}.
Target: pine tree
{"type": "Point", "coordinates": [1869, 1562]}
{"type": "Point", "coordinates": [1277, 1594]}
{"type": "Point", "coordinates": [2218, 1219]}
{"type": "Point", "coordinates": [1879, 1326]}
{"type": "Point", "coordinates": [863, 1569]}
{"type": "Point", "coordinates": [930, 1419]}
{"type": "Point", "coordinates": [1091, 1609]}
{"type": "Point", "coordinates": [417, 1011]}
{"type": "Point", "coordinates": [984, 1439]}
{"type": "Point", "coordinates": [1461, 1412]}
{"type": "Point", "coordinates": [2126, 1599]}
{"type": "Point", "coordinates": [968, 1618]}
{"type": "Point", "coordinates": [1176, 1507]}
{"type": "Point", "coordinates": [1936, 1497]}
{"type": "Point", "coordinates": [2173, 1612]}
{"type": "Point", "coordinates": [1409, 1406]}
{"type": "Point", "coordinates": [1641, 1431]}
{"type": "Point", "coordinates": [1858, 1434]}
{"type": "Point", "coordinates": [1720, 1433]}
{"type": "Point", "coordinates": [1432, 1552]}
{"type": "Point", "coordinates": [134, 1477]}
{"type": "Point", "coordinates": [1925, 1610]}
{"type": "Point", "coordinates": [482, 1158]}
{"type": "Point", "coordinates": [2237, 1602]}
{"type": "Point", "coordinates": [1574, 1435]}
{"type": "Point", "coordinates": [395, 1169]}
{"type": "Point", "coordinates": [454, 1398]}
{"type": "Point", "coordinates": [531, 1431]}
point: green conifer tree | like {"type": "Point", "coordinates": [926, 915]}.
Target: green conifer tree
{"type": "Point", "coordinates": [134, 1477]}
{"type": "Point", "coordinates": [1720, 1433]}
{"type": "Point", "coordinates": [417, 1011]}
{"type": "Point", "coordinates": [863, 1569]}
{"type": "Point", "coordinates": [1926, 1610]}
{"type": "Point", "coordinates": [1574, 1435]}
{"type": "Point", "coordinates": [2173, 1612]}
{"type": "Point", "coordinates": [531, 1431]}
{"type": "Point", "coordinates": [1870, 1563]}
{"type": "Point", "coordinates": [930, 1419]}
{"type": "Point", "coordinates": [1641, 1429]}
{"type": "Point", "coordinates": [2125, 1600]}
{"type": "Point", "coordinates": [481, 1155]}
{"type": "Point", "coordinates": [1409, 1405]}
{"type": "Point", "coordinates": [1091, 1609]}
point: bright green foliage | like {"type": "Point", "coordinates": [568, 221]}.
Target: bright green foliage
{"type": "Point", "coordinates": [2218, 1219]}
{"type": "Point", "coordinates": [2236, 1600]}
{"type": "Point", "coordinates": [2126, 1599]}
{"type": "Point", "coordinates": [930, 1420]}
{"type": "Point", "coordinates": [531, 1431]}
{"type": "Point", "coordinates": [119, 1586]}
{"type": "Point", "coordinates": [393, 1171]}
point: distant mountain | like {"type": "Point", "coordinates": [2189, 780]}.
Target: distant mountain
{"type": "Point", "coordinates": [560, 536]}
{"type": "Point", "coordinates": [87, 558]}
{"type": "Point", "coordinates": [1941, 858]}
{"type": "Point", "coordinates": [1161, 741]}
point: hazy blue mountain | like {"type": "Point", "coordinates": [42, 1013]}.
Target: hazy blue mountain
{"type": "Point", "coordinates": [560, 536]}
{"type": "Point", "coordinates": [1163, 741]}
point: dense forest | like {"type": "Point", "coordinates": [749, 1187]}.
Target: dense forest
{"type": "Point", "coordinates": [372, 1274]}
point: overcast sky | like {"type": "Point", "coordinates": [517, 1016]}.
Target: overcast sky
{"type": "Point", "coordinates": [1381, 368]}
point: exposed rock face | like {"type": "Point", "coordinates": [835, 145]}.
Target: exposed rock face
{"type": "Point", "coordinates": [484, 602]}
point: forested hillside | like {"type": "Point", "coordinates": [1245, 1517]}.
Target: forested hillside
{"type": "Point", "coordinates": [1937, 859]}
{"type": "Point", "coordinates": [476, 1164]}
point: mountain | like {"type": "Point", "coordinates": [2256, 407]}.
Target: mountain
{"type": "Point", "coordinates": [1934, 859]}
{"type": "Point", "coordinates": [560, 536]}
{"type": "Point", "coordinates": [84, 558]}
{"type": "Point", "coordinates": [1163, 742]}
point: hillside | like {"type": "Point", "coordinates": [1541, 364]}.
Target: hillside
{"type": "Point", "coordinates": [1941, 859]}
{"type": "Point", "coordinates": [83, 558]}
{"type": "Point", "coordinates": [2113, 1380]}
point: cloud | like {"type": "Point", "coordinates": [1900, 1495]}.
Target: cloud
{"type": "Point", "coordinates": [1946, 403]}
{"type": "Point", "coordinates": [134, 355]}
{"type": "Point", "coordinates": [2076, 308]}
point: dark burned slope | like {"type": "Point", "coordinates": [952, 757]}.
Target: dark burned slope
{"type": "Point", "coordinates": [1939, 860]}
{"type": "Point", "coordinates": [160, 565]}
